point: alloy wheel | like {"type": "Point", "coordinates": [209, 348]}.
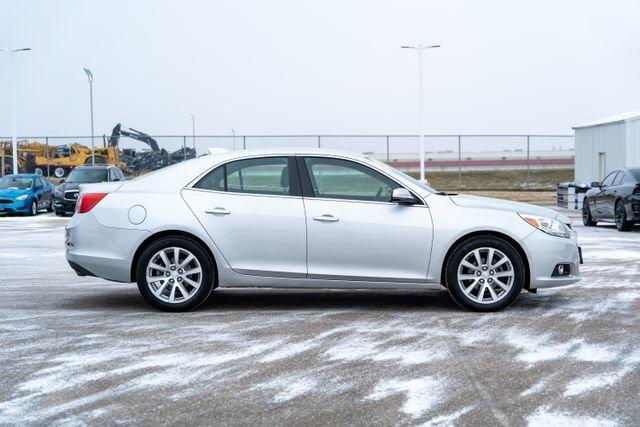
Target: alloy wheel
{"type": "Point", "coordinates": [174, 275]}
{"type": "Point", "coordinates": [620, 215]}
{"type": "Point", "coordinates": [485, 275]}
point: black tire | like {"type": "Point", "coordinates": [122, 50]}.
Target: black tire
{"type": "Point", "coordinates": [59, 213]}
{"type": "Point", "coordinates": [587, 219]}
{"type": "Point", "coordinates": [208, 281]}
{"type": "Point", "coordinates": [461, 251]}
{"type": "Point", "coordinates": [50, 207]}
{"type": "Point", "coordinates": [621, 217]}
{"type": "Point", "coordinates": [34, 208]}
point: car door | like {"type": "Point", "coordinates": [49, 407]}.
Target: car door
{"type": "Point", "coordinates": [47, 191]}
{"type": "Point", "coordinates": [354, 231]}
{"type": "Point", "coordinates": [604, 198]}
{"type": "Point", "coordinates": [253, 210]}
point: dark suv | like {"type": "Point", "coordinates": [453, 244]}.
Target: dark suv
{"type": "Point", "coordinates": [66, 194]}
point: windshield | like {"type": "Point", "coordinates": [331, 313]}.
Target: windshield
{"type": "Point", "coordinates": [87, 176]}
{"type": "Point", "coordinates": [635, 173]}
{"type": "Point", "coordinates": [400, 174]}
{"type": "Point", "coordinates": [11, 182]}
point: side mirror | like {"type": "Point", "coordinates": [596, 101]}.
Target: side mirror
{"type": "Point", "coordinates": [595, 184]}
{"type": "Point", "coordinates": [402, 196]}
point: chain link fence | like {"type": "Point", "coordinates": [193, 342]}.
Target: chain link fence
{"type": "Point", "coordinates": [452, 161]}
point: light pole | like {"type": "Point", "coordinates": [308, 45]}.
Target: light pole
{"type": "Point", "coordinates": [233, 132]}
{"type": "Point", "coordinates": [14, 137]}
{"type": "Point", "coordinates": [193, 131]}
{"type": "Point", "coordinates": [420, 48]}
{"type": "Point", "coordinates": [90, 77]}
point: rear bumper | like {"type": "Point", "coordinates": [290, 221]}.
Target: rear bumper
{"type": "Point", "coordinates": [545, 252]}
{"type": "Point", "coordinates": [95, 250]}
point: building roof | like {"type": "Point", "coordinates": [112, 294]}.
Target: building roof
{"type": "Point", "coordinates": [624, 117]}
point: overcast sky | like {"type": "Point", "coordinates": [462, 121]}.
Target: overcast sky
{"type": "Point", "coordinates": [319, 66]}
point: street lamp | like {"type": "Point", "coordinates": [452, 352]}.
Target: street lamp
{"type": "Point", "coordinates": [420, 48]}
{"type": "Point", "coordinates": [193, 131]}
{"type": "Point", "coordinates": [90, 77]}
{"type": "Point", "coordinates": [233, 132]}
{"type": "Point", "coordinates": [14, 137]}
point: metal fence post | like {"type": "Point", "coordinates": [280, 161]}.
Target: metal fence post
{"type": "Point", "coordinates": [459, 161]}
{"type": "Point", "coordinates": [2, 161]}
{"type": "Point", "coordinates": [244, 142]}
{"type": "Point", "coordinates": [528, 158]}
{"type": "Point", "coordinates": [388, 149]}
{"type": "Point", "coordinates": [46, 141]}
{"type": "Point", "coordinates": [319, 146]}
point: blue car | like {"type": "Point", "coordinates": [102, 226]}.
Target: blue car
{"type": "Point", "coordinates": [25, 194]}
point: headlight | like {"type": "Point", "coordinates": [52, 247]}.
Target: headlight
{"type": "Point", "coordinates": [548, 225]}
{"type": "Point", "coordinates": [23, 197]}
{"type": "Point", "coordinates": [57, 192]}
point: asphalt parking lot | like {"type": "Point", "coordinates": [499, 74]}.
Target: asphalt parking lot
{"type": "Point", "coordinates": [86, 351]}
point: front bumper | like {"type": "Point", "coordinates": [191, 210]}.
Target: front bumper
{"type": "Point", "coordinates": [545, 252]}
{"type": "Point", "coordinates": [95, 250]}
{"type": "Point", "coordinates": [17, 206]}
{"type": "Point", "coordinates": [63, 205]}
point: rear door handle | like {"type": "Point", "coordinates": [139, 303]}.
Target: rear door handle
{"type": "Point", "coordinates": [325, 218]}
{"type": "Point", "coordinates": [218, 211]}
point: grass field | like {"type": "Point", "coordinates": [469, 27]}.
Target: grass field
{"type": "Point", "coordinates": [498, 180]}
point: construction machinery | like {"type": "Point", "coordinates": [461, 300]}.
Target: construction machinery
{"type": "Point", "coordinates": [35, 157]}
{"type": "Point", "coordinates": [138, 161]}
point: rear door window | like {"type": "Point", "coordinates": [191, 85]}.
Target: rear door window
{"type": "Point", "coordinates": [268, 175]}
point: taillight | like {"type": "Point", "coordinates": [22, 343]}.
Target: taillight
{"type": "Point", "coordinates": [88, 201]}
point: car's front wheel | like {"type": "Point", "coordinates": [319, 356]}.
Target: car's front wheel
{"type": "Point", "coordinates": [33, 210]}
{"type": "Point", "coordinates": [587, 219]}
{"type": "Point", "coordinates": [175, 274]}
{"type": "Point", "coordinates": [485, 273]}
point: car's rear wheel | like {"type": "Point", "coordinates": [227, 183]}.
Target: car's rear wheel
{"type": "Point", "coordinates": [175, 274]}
{"type": "Point", "coordinates": [587, 219]}
{"type": "Point", "coordinates": [621, 217]}
{"type": "Point", "coordinates": [485, 273]}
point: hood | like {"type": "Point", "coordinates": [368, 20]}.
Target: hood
{"type": "Point", "coordinates": [69, 186]}
{"type": "Point", "coordinates": [12, 193]}
{"type": "Point", "coordinates": [506, 205]}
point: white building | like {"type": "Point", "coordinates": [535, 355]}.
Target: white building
{"type": "Point", "coordinates": [606, 145]}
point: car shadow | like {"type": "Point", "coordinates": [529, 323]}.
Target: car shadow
{"type": "Point", "coordinates": [256, 300]}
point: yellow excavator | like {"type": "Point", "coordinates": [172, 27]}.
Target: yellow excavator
{"type": "Point", "coordinates": [34, 157]}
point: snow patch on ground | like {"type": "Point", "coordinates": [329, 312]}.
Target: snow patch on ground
{"type": "Point", "coordinates": [594, 382]}
{"type": "Point", "coordinates": [421, 394]}
{"type": "Point", "coordinates": [288, 387]}
{"type": "Point", "coordinates": [543, 417]}
{"type": "Point", "coordinates": [447, 419]}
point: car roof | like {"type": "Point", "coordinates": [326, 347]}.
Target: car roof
{"type": "Point", "coordinates": [25, 175]}
{"type": "Point", "coordinates": [180, 174]}
{"type": "Point", "coordinates": [94, 167]}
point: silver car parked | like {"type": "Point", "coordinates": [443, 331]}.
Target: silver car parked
{"type": "Point", "coordinates": [312, 219]}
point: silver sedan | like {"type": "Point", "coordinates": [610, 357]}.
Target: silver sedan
{"type": "Point", "coordinates": [312, 219]}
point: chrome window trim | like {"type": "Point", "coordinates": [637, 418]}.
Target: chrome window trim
{"type": "Point", "coordinates": [286, 196]}
{"type": "Point", "coordinates": [193, 182]}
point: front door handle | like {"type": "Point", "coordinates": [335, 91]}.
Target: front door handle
{"type": "Point", "coordinates": [325, 218]}
{"type": "Point", "coordinates": [218, 211]}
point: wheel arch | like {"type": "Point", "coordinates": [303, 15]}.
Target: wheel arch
{"type": "Point", "coordinates": [483, 233]}
{"type": "Point", "coordinates": [170, 233]}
